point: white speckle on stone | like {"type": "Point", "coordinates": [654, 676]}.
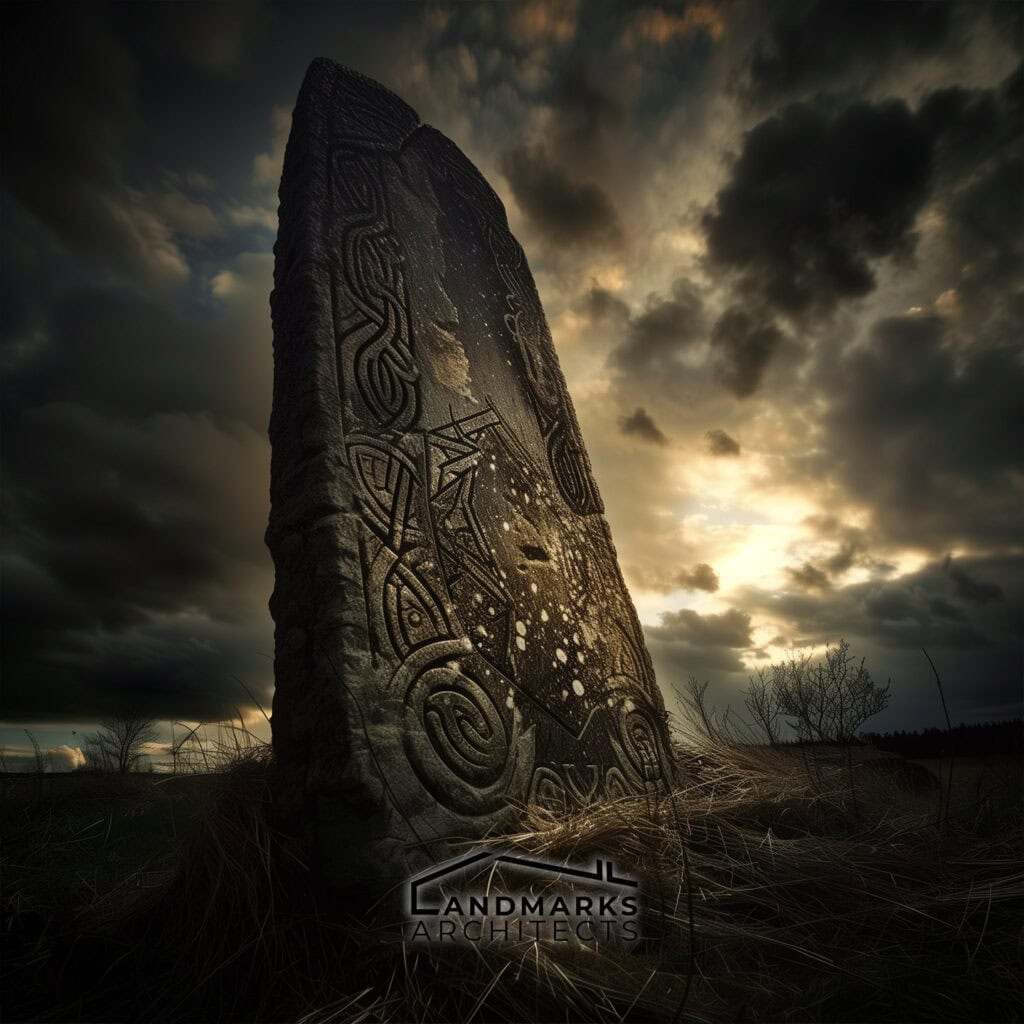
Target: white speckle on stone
{"type": "Point", "coordinates": [478, 599]}
{"type": "Point", "coordinates": [490, 611]}
{"type": "Point", "coordinates": [481, 630]}
{"type": "Point", "coordinates": [580, 657]}
{"type": "Point", "coordinates": [561, 655]}
{"type": "Point", "coordinates": [509, 702]}
{"type": "Point", "coordinates": [506, 527]}
{"type": "Point", "coordinates": [629, 705]}
{"type": "Point", "coordinates": [576, 639]}
{"type": "Point", "coordinates": [577, 688]}
{"type": "Point", "coordinates": [520, 643]}
{"type": "Point", "coordinates": [526, 498]}
{"type": "Point", "coordinates": [611, 702]}
{"type": "Point", "coordinates": [521, 627]}
{"type": "Point", "coordinates": [565, 695]}
{"type": "Point", "coordinates": [565, 616]}
{"type": "Point", "coordinates": [533, 588]}
{"type": "Point", "coordinates": [544, 615]}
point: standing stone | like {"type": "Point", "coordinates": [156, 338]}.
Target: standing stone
{"type": "Point", "coordinates": [453, 635]}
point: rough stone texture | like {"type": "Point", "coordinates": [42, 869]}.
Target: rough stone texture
{"type": "Point", "coordinates": [453, 635]}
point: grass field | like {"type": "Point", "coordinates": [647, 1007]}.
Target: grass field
{"type": "Point", "coordinates": [775, 893]}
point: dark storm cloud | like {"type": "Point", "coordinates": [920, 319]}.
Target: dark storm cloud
{"type": "Point", "coordinates": [929, 433]}
{"type": "Point", "coordinates": [820, 192]}
{"type": "Point", "coordinates": [814, 197]}
{"type": "Point", "coordinates": [924, 608]}
{"type": "Point", "coordinates": [181, 667]}
{"type": "Point", "coordinates": [980, 161]}
{"type": "Point", "coordinates": [977, 649]}
{"type": "Point", "coordinates": [808, 577]}
{"type": "Point", "coordinates": [601, 305]}
{"type": "Point", "coordinates": [851, 549]}
{"type": "Point", "coordinates": [700, 577]}
{"type": "Point", "coordinates": [70, 108]}
{"type": "Point", "coordinates": [135, 470]}
{"type": "Point", "coordinates": [586, 116]}
{"type": "Point", "coordinates": [126, 355]}
{"type": "Point", "coordinates": [728, 629]}
{"type": "Point", "coordinates": [809, 45]}
{"type": "Point", "coordinates": [656, 336]}
{"type": "Point", "coordinates": [217, 39]}
{"type": "Point", "coordinates": [742, 349]}
{"type": "Point", "coordinates": [131, 518]}
{"type": "Point", "coordinates": [687, 643]}
{"type": "Point", "coordinates": [564, 211]}
{"type": "Point", "coordinates": [970, 589]}
{"type": "Point", "coordinates": [639, 424]}
{"type": "Point", "coordinates": [844, 558]}
{"type": "Point", "coordinates": [974, 125]}
{"type": "Point", "coordinates": [123, 530]}
{"type": "Point", "coordinates": [721, 444]}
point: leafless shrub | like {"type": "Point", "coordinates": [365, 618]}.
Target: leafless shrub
{"type": "Point", "coordinates": [827, 701]}
{"type": "Point", "coordinates": [117, 746]}
{"type": "Point", "coordinates": [763, 704]}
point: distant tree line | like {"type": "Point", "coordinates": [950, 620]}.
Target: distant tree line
{"type": "Point", "coordinates": [1005, 737]}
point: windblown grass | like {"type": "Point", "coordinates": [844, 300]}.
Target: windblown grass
{"type": "Point", "coordinates": [770, 897]}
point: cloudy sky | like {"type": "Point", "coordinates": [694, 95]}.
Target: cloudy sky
{"type": "Point", "coordinates": [780, 247]}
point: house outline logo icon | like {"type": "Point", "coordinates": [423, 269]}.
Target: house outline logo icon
{"type": "Point", "coordinates": [603, 871]}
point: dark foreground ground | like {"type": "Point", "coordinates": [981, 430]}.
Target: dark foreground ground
{"type": "Point", "coordinates": [778, 894]}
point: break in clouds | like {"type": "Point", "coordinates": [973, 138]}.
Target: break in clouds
{"type": "Point", "coordinates": [779, 249]}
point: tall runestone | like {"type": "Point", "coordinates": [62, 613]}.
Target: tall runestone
{"type": "Point", "coordinates": [453, 635]}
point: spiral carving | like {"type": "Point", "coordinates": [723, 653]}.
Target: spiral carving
{"type": "Point", "coordinates": [463, 745]}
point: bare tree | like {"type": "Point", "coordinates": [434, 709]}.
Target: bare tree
{"type": "Point", "coordinates": [117, 745]}
{"type": "Point", "coordinates": [97, 757]}
{"type": "Point", "coordinates": [828, 701]}
{"type": "Point", "coordinates": [763, 704]}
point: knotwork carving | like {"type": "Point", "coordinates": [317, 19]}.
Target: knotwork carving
{"type": "Point", "coordinates": [389, 485]}
{"type": "Point", "coordinates": [373, 324]}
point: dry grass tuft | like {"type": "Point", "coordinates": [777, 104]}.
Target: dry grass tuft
{"type": "Point", "coordinates": [770, 897]}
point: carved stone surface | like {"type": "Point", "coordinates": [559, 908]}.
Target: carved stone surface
{"type": "Point", "coordinates": [453, 635]}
